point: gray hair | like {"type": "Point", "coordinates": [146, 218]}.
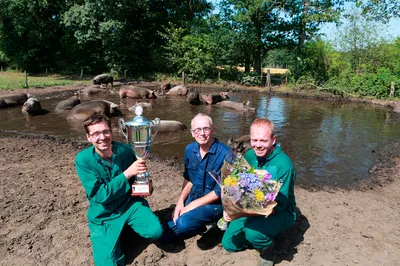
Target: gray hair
{"type": "Point", "coordinates": [201, 115]}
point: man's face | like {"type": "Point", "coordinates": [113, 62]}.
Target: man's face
{"type": "Point", "coordinates": [100, 135]}
{"type": "Point", "coordinates": [261, 140]}
{"type": "Point", "coordinates": [202, 131]}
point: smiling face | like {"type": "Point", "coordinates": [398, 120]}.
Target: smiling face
{"type": "Point", "coordinates": [202, 130]}
{"type": "Point", "coordinates": [261, 140]}
{"type": "Point", "coordinates": [100, 135]}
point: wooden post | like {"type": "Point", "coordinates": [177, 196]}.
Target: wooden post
{"type": "Point", "coordinates": [125, 73]}
{"type": "Point", "coordinates": [183, 77]}
{"type": "Point", "coordinates": [46, 71]}
{"type": "Point", "coordinates": [392, 90]}
{"type": "Point", "coordinates": [219, 75]}
{"type": "Point", "coordinates": [81, 72]}
{"type": "Point", "coordinates": [26, 79]}
{"type": "Point", "coordinates": [1, 68]}
{"type": "Point", "coordinates": [269, 81]}
{"type": "Point", "coordinates": [261, 76]}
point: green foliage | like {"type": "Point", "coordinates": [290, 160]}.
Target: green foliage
{"type": "Point", "coordinates": [251, 79]}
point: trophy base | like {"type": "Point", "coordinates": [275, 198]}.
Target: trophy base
{"type": "Point", "coordinates": [142, 189]}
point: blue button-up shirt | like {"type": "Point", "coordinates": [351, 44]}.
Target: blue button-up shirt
{"type": "Point", "coordinates": [197, 169]}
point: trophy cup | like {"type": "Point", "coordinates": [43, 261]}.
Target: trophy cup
{"type": "Point", "coordinates": [140, 133]}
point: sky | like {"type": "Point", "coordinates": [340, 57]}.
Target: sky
{"type": "Point", "coordinates": [328, 29]}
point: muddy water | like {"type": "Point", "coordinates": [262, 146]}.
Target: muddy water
{"type": "Point", "coordinates": [330, 143]}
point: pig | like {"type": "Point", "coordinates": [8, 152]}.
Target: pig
{"type": "Point", "coordinates": [193, 97]}
{"type": "Point", "coordinates": [68, 104]}
{"type": "Point", "coordinates": [83, 111]}
{"type": "Point", "coordinates": [240, 145]}
{"type": "Point", "coordinates": [92, 90]}
{"type": "Point", "coordinates": [136, 93]}
{"type": "Point", "coordinates": [32, 106]}
{"type": "Point", "coordinates": [103, 79]}
{"type": "Point", "coordinates": [13, 99]}
{"type": "Point", "coordinates": [170, 126]}
{"type": "Point", "coordinates": [165, 87]}
{"type": "Point", "coordinates": [237, 106]}
{"type": "Point", "coordinates": [214, 98]}
{"type": "Point", "coordinates": [178, 90]}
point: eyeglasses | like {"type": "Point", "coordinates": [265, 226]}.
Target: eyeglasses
{"type": "Point", "coordinates": [105, 132]}
{"type": "Point", "coordinates": [199, 129]}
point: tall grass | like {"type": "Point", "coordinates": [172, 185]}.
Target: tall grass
{"type": "Point", "coordinates": [15, 80]}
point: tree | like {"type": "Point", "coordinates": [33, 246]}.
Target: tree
{"type": "Point", "coordinates": [380, 10]}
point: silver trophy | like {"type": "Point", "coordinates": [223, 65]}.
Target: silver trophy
{"type": "Point", "coordinates": [140, 133]}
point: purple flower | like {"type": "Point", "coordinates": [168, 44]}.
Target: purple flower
{"type": "Point", "coordinates": [270, 197]}
{"type": "Point", "coordinates": [267, 177]}
{"type": "Point", "coordinates": [234, 193]}
{"type": "Point", "coordinates": [249, 182]}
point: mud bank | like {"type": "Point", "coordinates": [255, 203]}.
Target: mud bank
{"type": "Point", "coordinates": [43, 214]}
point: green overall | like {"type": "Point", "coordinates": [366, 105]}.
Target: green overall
{"type": "Point", "coordinates": [257, 231]}
{"type": "Point", "coordinates": [111, 206]}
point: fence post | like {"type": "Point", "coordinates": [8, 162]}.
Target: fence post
{"type": "Point", "coordinates": [183, 77]}
{"type": "Point", "coordinates": [46, 71]}
{"type": "Point", "coordinates": [26, 79]}
{"type": "Point", "coordinates": [219, 75]}
{"type": "Point", "coordinates": [125, 73]}
{"type": "Point", "coordinates": [81, 72]}
{"type": "Point", "coordinates": [261, 76]}
{"type": "Point", "coordinates": [392, 90]}
{"type": "Point", "coordinates": [268, 81]}
{"type": "Point", "coordinates": [1, 68]}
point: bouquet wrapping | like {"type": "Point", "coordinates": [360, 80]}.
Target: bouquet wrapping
{"type": "Point", "coordinates": [246, 190]}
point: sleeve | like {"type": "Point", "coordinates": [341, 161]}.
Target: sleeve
{"type": "Point", "coordinates": [96, 189]}
{"type": "Point", "coordinates": [282, 198]}
{"type": "Point", "coordinates": [186, 162]}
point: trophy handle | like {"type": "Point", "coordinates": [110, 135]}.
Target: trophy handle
{"type": "Point", "coordinates": [156, 125]}
{"type": "Point", "coordinates": [121, 124]}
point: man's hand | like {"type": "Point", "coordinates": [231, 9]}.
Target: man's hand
{"type": "Point", "coordinates": [232, 217]}
{"type": "Point", "coordinates": [138, 167]}
{"type": "Point", "coordinates": [188, 207]}
{"type": "Point", "coordinates": [178, 211]}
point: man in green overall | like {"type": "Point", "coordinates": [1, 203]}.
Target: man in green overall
{"type": "Point", "coordinates": [255, 231]}
{"type": "Point", "coordinates": [106, 170]}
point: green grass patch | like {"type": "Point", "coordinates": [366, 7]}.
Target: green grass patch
{"type": "Point", "coordinates": [15, 80]}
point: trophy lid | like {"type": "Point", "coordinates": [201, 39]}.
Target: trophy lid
{"type": "Point", "coordinates": [138, 120]}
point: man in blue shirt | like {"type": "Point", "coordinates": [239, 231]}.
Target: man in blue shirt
{"type": "Point", "coordinates": [200, 200]}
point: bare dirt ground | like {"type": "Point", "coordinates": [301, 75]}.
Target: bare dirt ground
{"type": "Point", "coordinates": [43, 214]}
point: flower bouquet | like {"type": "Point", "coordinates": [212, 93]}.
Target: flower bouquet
{"type": "Point", "coordinates": [246, 190]}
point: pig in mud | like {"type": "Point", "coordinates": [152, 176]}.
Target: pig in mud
{"type": "Point", "coordinates": [32, 106]}
{"type": "Point", "coordinates": [178, 90]}
{"type": "Point", "coordinates": [136, 93]}
{"type": "Point", "coordinates": [214, 98]}
{"type": "Point", "coordinates": [237, 106]}
{"type": "Point", "coordinates": [13, 99]}
{"type": "Point", "coordinates": [240, 145]}
{"type": "Point", "coordinates": [68, 104]}
{"type": "Point", "coordinates": [84, 110]}
{"type": "Point", "coordinates": [193, 97]}
{"type": "Point", "coordinates": [103, 79]}
{"type": "Point", "coordinates": [165, 87]}
{"type": "Point", "coordinates": [171, 126]}
{"type": "Point", "coordinates": [92, 90]}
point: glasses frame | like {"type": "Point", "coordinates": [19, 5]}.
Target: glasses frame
{"type": "Point", "coordinates": [198, 130]}
{"type": "Point", "coordinates": [105, 133]}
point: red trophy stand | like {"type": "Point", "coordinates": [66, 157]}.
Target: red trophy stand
{"type": "Point", "coordinates": [142, 189]}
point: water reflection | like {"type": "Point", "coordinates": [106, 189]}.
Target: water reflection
{"type": "Point", "coordinates": [330, 143]}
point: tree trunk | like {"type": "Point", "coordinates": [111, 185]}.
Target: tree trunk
{"type": "Point", "coordinates": [257, 52]}
{"type": "Point", "coordinates": [303, 25]}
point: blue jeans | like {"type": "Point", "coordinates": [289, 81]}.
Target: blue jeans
{"type": "Point", "coordinates": [191, 223]}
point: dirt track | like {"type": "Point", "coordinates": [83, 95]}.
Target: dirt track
{"type": "Point", "coordinates": [43, 214]}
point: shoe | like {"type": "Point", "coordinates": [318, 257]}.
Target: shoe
{"type": "Point", "coordinates": [267, 256]}
{"type": "Point", "coordinates": [210, 238]}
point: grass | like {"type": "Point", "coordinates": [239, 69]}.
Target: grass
{"type": "Point", "coordinates": [15, 80]}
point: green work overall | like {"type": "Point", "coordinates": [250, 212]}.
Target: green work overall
{"type": "Point", "coordinates": [257, 231]}
{"type": "Point", "coordinates": [111, 206]}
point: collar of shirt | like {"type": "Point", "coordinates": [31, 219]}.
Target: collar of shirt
{"type": "Point", "coordinates": [212, 150]}
{"type": "Point", "coordinates": [101, 160]}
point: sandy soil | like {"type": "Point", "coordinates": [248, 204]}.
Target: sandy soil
{"type": "Point", "coordinates": [43, 214]}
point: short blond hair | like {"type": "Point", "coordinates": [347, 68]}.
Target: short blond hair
{"type": "Point", "coordinates": [263, 122]}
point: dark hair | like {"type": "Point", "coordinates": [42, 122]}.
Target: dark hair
{"type": "Point", "coordinates": [95, 119]}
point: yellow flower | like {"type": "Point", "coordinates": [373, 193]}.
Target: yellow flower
{"type": "Point", "coordinates": [259, 195]}
{"type": "Point", "coordinates": [230, 181]}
